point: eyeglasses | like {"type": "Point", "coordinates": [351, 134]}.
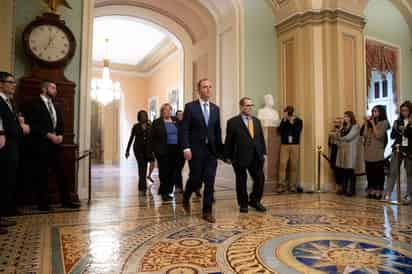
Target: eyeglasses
{"type": "Point", "coordinates": [9, 82]}
{"type": "Point", "coordinates": [249, 106]}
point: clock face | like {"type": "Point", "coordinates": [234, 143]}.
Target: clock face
{"type": "Point", "coordinates": [49, 43]}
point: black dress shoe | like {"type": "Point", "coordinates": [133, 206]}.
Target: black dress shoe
{"type": "Point", "coordinates": [13, 213]}
{"type": "Point", "coordinates": [258, 206]}
{"type": "Point", "coordinates": [186, 205]}
{"type": "Point", "coordinates": [198, 194]}
{"type": "Point", "coordinates": [7, 223]}
{"type": "Point", "coordinates": [166, 198]}
{"type": "Point", "coordinates": [208, 217]}
{"type": "Point", "coordinates": [244, 210]}
{"type": "Point", "coordinates": [70, 205]}
{"type": "Point", "coordinates": [3, 231]}
{"type": "Point", "coordinates": [44, 208]}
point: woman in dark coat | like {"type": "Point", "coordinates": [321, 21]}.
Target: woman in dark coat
{"type": "Point", "coordinates": [140, 135]}
{"type": "Point", "coordinates": [164, 143]}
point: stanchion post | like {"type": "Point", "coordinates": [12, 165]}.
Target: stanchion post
{"type": "Point", "coordinates": [398, 182]}
{"type": "Point", "coordinates": [90, 178]}
{"type": "Point", "coordinates": [319, 169]}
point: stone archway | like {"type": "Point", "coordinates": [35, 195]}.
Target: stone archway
{"type": "Point", "coordinates": [210, 33]}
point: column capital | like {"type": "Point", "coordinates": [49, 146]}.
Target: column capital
{"type": "Point", "coordinates": [316, 17]}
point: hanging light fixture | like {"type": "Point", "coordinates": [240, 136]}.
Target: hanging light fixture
{"type": "Point", "coordinates": [104, 90]}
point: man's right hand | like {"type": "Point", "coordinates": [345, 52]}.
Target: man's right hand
{"type": "Point", "coordinates": [2, 141]}
{"type": "Point", "coordinates": [53, 138]}
{"type": "Point", "coordinates": [187, 154]}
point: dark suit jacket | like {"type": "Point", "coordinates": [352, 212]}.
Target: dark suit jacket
{"type": "Point", "coordinates": [140, 139]}
{"type": "Point", "coordinates": [194, 132]}
{"type": "Point", "coordinates": [40, 122]}
{"type": "Point", "coordinates": [240, 148]}
{"type": "Point", "coordinates": [12, 131]}
{"type": "Point", "coordinates": [158, 137]}
{"type": "Point", "coordinates": [11, 125]}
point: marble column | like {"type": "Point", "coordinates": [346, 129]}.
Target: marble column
{"type": "Point", "coordinates": [272, 139]}
{"type": "Point", "coordinates": [322, 75]}
{"type": "Point", "coordinates": [7, 31]}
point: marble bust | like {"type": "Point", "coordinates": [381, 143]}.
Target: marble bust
{"type": "Point", "coordinates": [268, 115]}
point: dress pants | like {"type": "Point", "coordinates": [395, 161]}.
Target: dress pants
{"type": "Point", "coordinates": [375, 175]}
{"type": "Point", "coordinates": [202, 169]}
{"type": "Point", "coordinates": [396, 160]}
{"type": "Point", "coordinates": [9, 160]}
{"type": "Point", "coordinates": [288, 154]}
{"type": "Point", "coordinates": [255, 169]}
{"type": "Point", "coordinates": [180, 166]}
{"type": "Point", "coordinates": [168, 169]}
{"type": "Point", "coordinates": [49, 157]}
{"type": "Point", "coordinates": [142, 162]}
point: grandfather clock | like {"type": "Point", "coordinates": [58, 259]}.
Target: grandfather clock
{"type": "Point", "coordinates": [50, 45]}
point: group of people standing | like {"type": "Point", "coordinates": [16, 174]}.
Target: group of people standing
{"type": "Point", "coordinates": [365, 146]}
{"type": "Point", "coordinates": [39, 129]}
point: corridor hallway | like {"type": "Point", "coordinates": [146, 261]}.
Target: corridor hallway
{"type": "Point", "coordinates": [122, 232]}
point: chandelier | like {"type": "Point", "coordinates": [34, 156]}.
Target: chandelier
{"type": "Point", "coordinates": [104, 90]}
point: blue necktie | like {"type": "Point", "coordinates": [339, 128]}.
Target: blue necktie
{"type": "Point", "coordinates": [206, 113]}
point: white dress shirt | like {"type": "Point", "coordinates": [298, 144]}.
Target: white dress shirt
{"type": "Point", "coordinates": [202, 106]}
{"type": "Point", "coordinates": [46, 101]}
{"type": "Point", "coordinates": [6, 99]}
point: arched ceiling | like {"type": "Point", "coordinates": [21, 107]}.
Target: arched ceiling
{"type": "Point", "coordinates": [193, 16]}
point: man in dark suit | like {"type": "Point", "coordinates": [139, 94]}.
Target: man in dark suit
{"type": "Point", "coordinates": [46, 122]}
{"type": "Point", "coordinates": [245, 148]}
{"type": "Point", "coordinates": [12, 128]}
{"type": "Point", "coordinates": [201, 138]}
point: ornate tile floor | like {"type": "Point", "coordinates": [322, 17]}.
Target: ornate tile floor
{"type": "Point", "coordinates": [308, 233]}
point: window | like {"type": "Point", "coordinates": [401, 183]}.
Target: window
{"type": "Point", "coordinates": [385, 88]}
{"type": "Point", "coordinates": [377, 90]}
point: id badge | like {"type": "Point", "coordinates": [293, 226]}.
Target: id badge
{"type": "Point", "coordinates": [290, 139]}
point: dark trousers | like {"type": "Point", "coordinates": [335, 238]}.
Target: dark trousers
{"type": "Point", "coordinates": [346, 178]}
{"type": "Point", "coordinates": [202, 169]}
{"type": "Point", "coordinates": [375, 175]}
{"type": "Point", "coordinates": [142, 162]}
{"type": "Point", "coordinates": [49, 157]}
{"type": "Point", "coordinates": [255, 170]}
{"type": "Point", "coordinates": [9, 160]}
{"type": "Point", "coordinates": [168, 169]}
{"type": "Point", "coordinates": [180, 166]}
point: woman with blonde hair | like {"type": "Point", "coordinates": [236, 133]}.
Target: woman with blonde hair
{"type": "Point", "coordinates": [164, 140]}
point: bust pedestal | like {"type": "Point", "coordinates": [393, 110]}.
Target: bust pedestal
{"type": "Point", "coordinates": [272, 139]}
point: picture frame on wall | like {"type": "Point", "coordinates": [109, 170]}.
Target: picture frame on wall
{"type": "Point", "coordinates": [174, 100]}
{"type": "Point", "coordinates": [153, 108]}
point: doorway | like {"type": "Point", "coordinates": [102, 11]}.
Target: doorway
{"type": "Point", "coordinates": [138, 68]}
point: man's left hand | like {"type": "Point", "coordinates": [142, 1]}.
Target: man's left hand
{"type": "Point", "coordinates": [59, 139]}
{"type": "Point", "coordinates": [25, 128]}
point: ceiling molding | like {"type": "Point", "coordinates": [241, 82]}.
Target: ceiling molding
{"type": "Point", "coordinates": [313, 17]}
{"type": "Point", "coordinates": [159, 10]}
{"type": "Point", "coordinates": [165, 48]}
{"type": "Point", "coordinates": [146, 68]}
